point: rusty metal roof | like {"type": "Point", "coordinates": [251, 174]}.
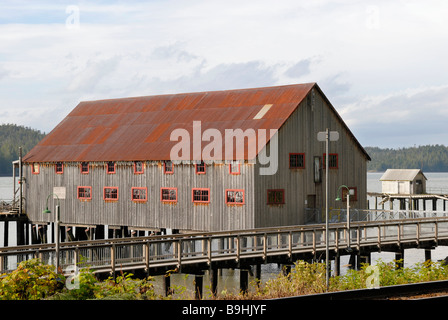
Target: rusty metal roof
{"type": "Point", "coordinates": [139, 128]}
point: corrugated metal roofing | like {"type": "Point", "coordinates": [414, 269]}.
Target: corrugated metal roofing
{"type": "Point", "coordinates": [139, 128]}
{"type": "Point", "coordinates": [400, 174]}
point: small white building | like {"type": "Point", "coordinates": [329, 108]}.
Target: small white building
{"type": "Point", "coordinates": [403, 181]}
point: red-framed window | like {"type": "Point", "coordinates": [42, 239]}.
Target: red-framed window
{"type": "Point", "coordinates": [332, 161]}
{"type": "Point", "coordinates": [353, 195]}
{"type": "Point", "coordinates": [200, 195]}
{"type": "Point", "coordinates": [235, 168]}
{"type": "Point", "coordinates": [296, 161]}
{"type": "Point", "coordinates": [276, 196]}
{"type": "Point", "coordinates": [59, 167]}
{"type": "Point", "coordinates": [168, 194]}
{"type": "Point", "coordinates": [138, 167]}
{"type": "Point", "coordinates": [110, 193]}
{"type": "Point", "coordinates": [35, 168]}
{"type": "Point", "coordinates": [110, 167]}
{"type": "Point", "coordinates": [200, 168]}
{"type": "Point", "coordinates": [139, 194]}
{"type": "Point", "coordinates": [234, 196]}
{"type": "Point", "coordinates": [84, 193]}
{"type": "Point", "coordinates": [84, 167]}
{"type": "Point", "coordinates": [168, 167]}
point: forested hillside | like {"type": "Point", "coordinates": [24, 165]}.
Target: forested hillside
{"type": "Point", "coordinates": [11, 138]}
{"type": "Point", "coordinates": [429, 158]}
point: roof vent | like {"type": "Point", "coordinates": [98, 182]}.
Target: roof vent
{"type": "Point", "coordinates": [263, 111]}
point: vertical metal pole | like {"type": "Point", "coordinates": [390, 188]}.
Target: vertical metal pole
{"type": "Point", "coordinates": [327, 262]}
{"type": "Point", "coordinates": [20, 180]}
{"type": "Point", "coordinates": [348, 218]}
{"type": "Point", "coordinates": [56, 234]}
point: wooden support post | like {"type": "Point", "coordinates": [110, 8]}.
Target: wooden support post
{"type": "Point", "coordinates": [244, 280]}
{"type": "Point", "coordinates": [399, 257]}
{"type": "Point", "coordinates": [434, 204]}
{"type": "Point", "coordinates": [258, 273]}
{"type": "Point", "coordinates": [20, 233]}
{"type": "Point", "coordinates": [352, 261]}
{"type": "Point", "coordinates": [337, 264]}
{"type": "Point", "coordinates": [214, 281]}
{"type": "Point", "coordinates": [427, 254]}
{"type": "Point", "coordinates": [167, 284]}
{"type": "Point", "coordinates": [6, 233]}
{"type": "Point", "coordinates": [198, 280]}
{"type": "Point", "coordinates": [286, 269]}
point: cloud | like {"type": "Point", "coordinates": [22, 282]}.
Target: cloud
{"type": "Point", "coordinates": [412, 116]}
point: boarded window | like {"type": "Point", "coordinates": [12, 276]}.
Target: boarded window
{"type": "Point", "coordinates": [276, 196]}
{"type": "Point", "coordinates": [111, 167]}
{"type": "Point", "coordinates": [138, 167]}
{"type": "Point", "coordinates": [201, 195]}
{"type": "Point", "coordinates": [296, 160]}
{"type": "Point", "coordinates": [110, 193]}
{"type": "Point", "coordinates": [35, 168]}
{"type": "Point", "coordinates": [139, 194]}
{"type": "Point", "coordinates": [85, 193]}
{"type": "Point", "coordinates": [84, 167]}
{"type": "Point", "coordinates": [200, 168]}
{"type": "Point", "coordinates": [168, 167]}
{"type": "Point", "coordinates": [235, 196]}
{"type": "Point", "coordinates": [234, 167]}
{"type": "Point", "coordinates": [169, 194]}
{"type": "Point", "coordinates": [332, 161]}
{"type": "Point", "coordinates": [59, 167]}
{"type": "Point", "coordinates": [353, 194]}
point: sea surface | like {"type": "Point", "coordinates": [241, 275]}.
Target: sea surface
{"type": "Point", "coordinates": [229, 280]}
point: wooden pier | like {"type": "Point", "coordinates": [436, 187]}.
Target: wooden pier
{"type": "Point", "coordinates": [409, 201]}
{"type": "Point", "coordinates": [196, 253]}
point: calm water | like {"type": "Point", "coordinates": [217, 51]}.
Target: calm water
{"type": "Point", "coordinates": [230, 278]}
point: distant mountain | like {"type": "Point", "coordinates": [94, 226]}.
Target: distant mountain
{"type": "Point", "coordinates": [429, 158]}
{"type": "Point", "coordinates": [11, 138]}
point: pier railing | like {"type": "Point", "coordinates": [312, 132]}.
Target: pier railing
{"type": "Point", "coordinates": [204, 249]}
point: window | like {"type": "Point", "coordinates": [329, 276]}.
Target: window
{"type": "Point", "coordinates": [35, 168]}
{"type": "Point", "coordinates": [59, 167]}
{"type": "Point", "coordinates": [139, 194]}
{"type": "Point", "coordinates": [235, 168]}
{"type": "Point", "coordinates": [138, 167]}
{"type": "Point", "coordinates": [353, 194]}
{"type": "Point", "coordinates": [296, 160]}
{"type": "Point", "coordinates": [110, 193]}
{"type": "Point", "coordinates": [200, 168]}
{"type": "Point", "coordinates": [111, 167]}
{"type": "Point", "coordinates": [234, 196]}
{"type": "Point", "coordinates": [168, 195]}
{"type": "Point", "coordinates": [168, 167]}
{"type": "Point", "coordinates": [201, 195]}
{"type": "Point", "coordinates": [84, 167]}
{"type": "Point", "coordinates": [84, 193]}
{"type": "Point", "coordinates": [276, 196]}
{"type": "Point", "coordinates": [332, 161]}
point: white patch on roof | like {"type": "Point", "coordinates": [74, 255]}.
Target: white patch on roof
{"type": "Point", "coordinates": [262, 111]}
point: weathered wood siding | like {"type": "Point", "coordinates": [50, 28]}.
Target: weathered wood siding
{"type": "Point", "coordinates": [299, 135]}
{"type": "Point", "coordinates": [182, 215]}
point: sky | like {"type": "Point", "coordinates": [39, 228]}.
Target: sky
{"type": "Point", "coordinates": [382, 64]}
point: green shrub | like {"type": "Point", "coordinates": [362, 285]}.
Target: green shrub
{"type": "Point", "coordinates": [32, 280]}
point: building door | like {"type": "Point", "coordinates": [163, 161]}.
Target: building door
{"type": "Point", "coordinates": [401, 187]}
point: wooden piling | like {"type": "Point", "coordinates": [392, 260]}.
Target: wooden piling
{"type": "Point", "coordinates": [214, 281]}
{"type": "Point", "coordinates": [167, 284]}
{"type": "Point", "coordinates": [198, 280]}
{"type": "Point", "coordinates": [6, 233]}
{"type": "Point", "coordinates": [427, 254]}
{"type": "Point", "coordinates": [244, 280]}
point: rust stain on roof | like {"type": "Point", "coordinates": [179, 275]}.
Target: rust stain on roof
{"type": "Point", "coordinates": [139, 128]}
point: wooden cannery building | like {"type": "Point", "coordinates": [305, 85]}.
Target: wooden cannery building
{"type": "Point", "coordinates": [111, 161]}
